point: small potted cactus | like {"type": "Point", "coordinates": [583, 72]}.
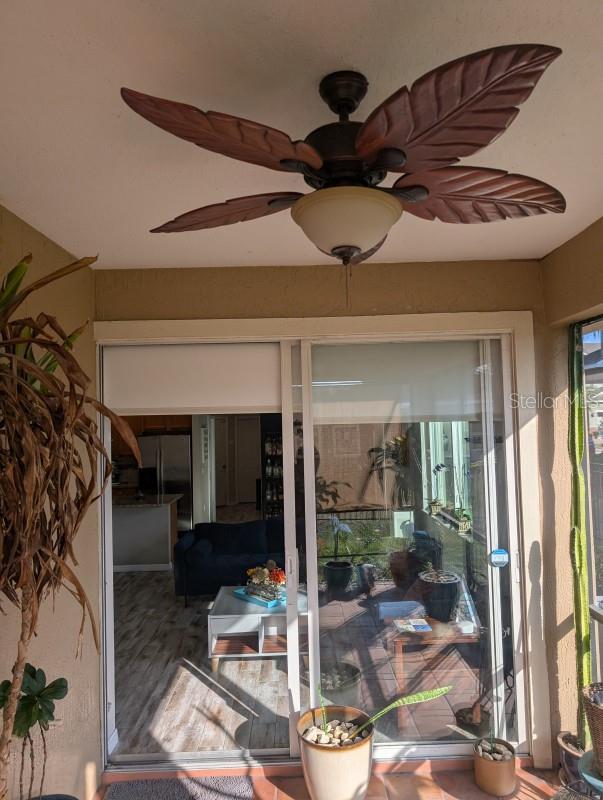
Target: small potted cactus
{"type": "Point", "coordinates": [336, 744]}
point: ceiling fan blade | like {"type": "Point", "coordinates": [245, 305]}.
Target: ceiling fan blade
{"type": "Point", "coordinates": [478, 194]}
{"type": "Point", "coordinates": [456, 109]}
{"type": "Point", "coordinates": [222, 133]}
{"type": "Point", "coordinates": [239, 209]}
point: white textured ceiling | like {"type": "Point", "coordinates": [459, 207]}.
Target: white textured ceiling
{"type": "Point", "coordinates": [92, 175]}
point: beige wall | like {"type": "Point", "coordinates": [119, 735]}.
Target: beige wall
{"type": "Point", "coordinates": [74, 741]}
{"type": "Point", "coordinates": [573, 277]}
{"type": "Point", "coordinates": [246, 292]}
{"type": "Point", "coordinates": [556, 499]}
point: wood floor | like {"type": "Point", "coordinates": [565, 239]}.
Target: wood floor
{"type": "Point", "coordinates": [167, 698]}
{"type": "Point", "coordinates": [169, 701]}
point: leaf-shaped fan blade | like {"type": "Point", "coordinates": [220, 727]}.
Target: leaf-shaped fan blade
{"type": "Point", "coordinates": [222, 133]}
{"type": "Point", "coordinates": [456, 109]}
{"type": "Point", "coordinates": [478, 194]}
{"type": "Point", "coordinates": [239, 209]}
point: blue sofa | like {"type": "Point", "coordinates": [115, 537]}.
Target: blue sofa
{"type": "Point", "coordinates": [217, 554]}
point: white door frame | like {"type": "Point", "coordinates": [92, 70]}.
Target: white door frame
{"type": "Point", "coordinates": [517, 328]}
{"type": "Point", "coordinates": [291, 557]}
{"type": "Point", "coordinates": [110, 734]}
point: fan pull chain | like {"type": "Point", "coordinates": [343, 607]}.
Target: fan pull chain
{"type": "Point", "coordinates": [348, 287]}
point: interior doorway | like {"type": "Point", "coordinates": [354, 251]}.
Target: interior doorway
{"type": "Point", "coordinates": [199, 668]}
{"type": "Point", "coordinates": [248, 467]}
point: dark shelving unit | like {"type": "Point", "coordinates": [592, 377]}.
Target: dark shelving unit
{"type": "Point", "coordinates": [272, 465]}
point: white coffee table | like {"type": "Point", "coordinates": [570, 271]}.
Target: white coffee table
{"type": "Point", "coordinates": [239, 629]}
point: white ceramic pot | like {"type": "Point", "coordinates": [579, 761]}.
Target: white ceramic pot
{"type": "Point", "coordinates": [336, 773]}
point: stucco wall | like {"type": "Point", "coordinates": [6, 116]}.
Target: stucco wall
{"type": "Point", "coordinates": [255, 292]}
{"type": "Point", "coordinates": [74, 741]}
{"type": "Point", "coordinates": [573, 277]}
{"type": "Point", "coordinates": [555, 482]}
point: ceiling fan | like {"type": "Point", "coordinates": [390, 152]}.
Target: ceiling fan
{"type": "Point", "coordinates": [449, 113]}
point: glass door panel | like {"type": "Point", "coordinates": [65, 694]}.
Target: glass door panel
{"type": "Point", "coordinates": [197, 667]}
{"type": "Point", "coordinates": [592, 344]}
{"type": "Point", "coordinates": [410, 485]}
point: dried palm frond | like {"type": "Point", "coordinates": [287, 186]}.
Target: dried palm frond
{"type": "Point", "coordinates": [53, 465]}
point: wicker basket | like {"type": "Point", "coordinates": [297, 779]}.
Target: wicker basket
{"type": "Point", "coordinates": [575, 791]}
{"type": "Point", "coordinates": [592, 697]}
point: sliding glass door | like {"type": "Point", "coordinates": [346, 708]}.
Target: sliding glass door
{"type": "Point", "coordinates": [409, 543]}
{"type": "Point", "coordinates": [385, 490]}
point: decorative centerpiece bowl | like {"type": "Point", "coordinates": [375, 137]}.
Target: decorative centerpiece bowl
{"type": "Point", "coordinates": [266, 582]}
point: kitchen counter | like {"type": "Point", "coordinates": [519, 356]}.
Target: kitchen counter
{"type": "Point", "coordinates": [145, 530]}
{"type": "Point", "coordinates": [147, 501]}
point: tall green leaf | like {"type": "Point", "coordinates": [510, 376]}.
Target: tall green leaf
{"type": "Point", "coordinates": [13, 280]}
{"type": "Point", "coordinates": [49, 362]}
{"type": "Point", "coordinates": [323, 708]}
{"type": "Point", "coordinates": [578, 543]}
{"type": "Point", "coordinates": [409, 700]}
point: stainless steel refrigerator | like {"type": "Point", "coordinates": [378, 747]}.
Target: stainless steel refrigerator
{"type": "Point", "coordinates": [170, 456]}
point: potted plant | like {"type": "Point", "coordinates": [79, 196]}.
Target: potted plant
{"type": "Point", "coordinates": [435, 506]}
{"type": "Point", "coordinates": [392, 457]}
{"type": "Point", "coordinates": [404, 564]}
{"type": "Point", "coordinates": [35, 709]}
{"type": "Point", "coordinates": [592, 699]}
{"type": "Point", "coordinates": [341, 682]}
{"type": "Point", "coordinates": [412, 557]}
{"type": "Point", "coordinates": [338, 574]}
{"type": "Point", "coordinates": [494, 766]}
{"type": "Point", "coordinates": [440, 592]}
{"type": "Point", "coordinates": [475, 719]}
{"type": "Point", "coordinates": [463, 519]}
{"type": "Point", "coordinates": [336, 744]}
{"type": "Point", "coordinates": [366, 577]}
{"type": "Point", "coordinates": [49, 437]}
{"type": "Point", "coordinates": [367, 539]}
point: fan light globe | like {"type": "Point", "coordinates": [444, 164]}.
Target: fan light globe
{"type": "Point", "coordinates": [350, 219]}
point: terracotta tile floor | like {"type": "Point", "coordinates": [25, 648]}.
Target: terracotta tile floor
{"type": "Point", "coordinates": [351, 630]}
{"type": "Point", "coordinates": [439, 786]}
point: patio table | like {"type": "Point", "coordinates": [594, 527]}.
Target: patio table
{"type": "Point", "coordinates": [442, 636]}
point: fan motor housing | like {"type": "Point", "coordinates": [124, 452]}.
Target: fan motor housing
{"type": "Point", "coordinates": [336, 144]}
